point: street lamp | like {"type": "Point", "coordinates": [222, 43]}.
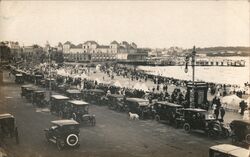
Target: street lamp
{"type": "Point", "coordinates": [49, 50]}
{"type": "Point", "coordinates": [192, 56]}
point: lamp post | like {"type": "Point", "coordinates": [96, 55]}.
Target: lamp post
{"type": "Point", "coordinates": [49, 50]}
{"type": "Point", "coordinates": [192, 56]}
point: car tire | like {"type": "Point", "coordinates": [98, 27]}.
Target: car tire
{"type": "Point", "coordinates": [16, 136]}
{"type": "Point", "coordinates": [93, 120]}
{"type": "Point", "coordinates": [47, 136]}
{"type": "Point", "coordinates": [234, 139]}
{"type": "Point", "coordinates": [247, 138]}
{"type": "Point", "coordinates": [59, 144]}
{"type": "Point", "coordinates": [187, 127]}
{"type": "Point", "coordinates": [73, 137]}
{"type": "Point", "coordinates": [74, 116]}
{"type": "Point", "coordinates": [176, 124]}
{"type": "Point", "coordinates": [60, 114]}
{"type": "Point", "coordinates": [226, 133]}
{"type": "Point", "coordinates": [157, 118]}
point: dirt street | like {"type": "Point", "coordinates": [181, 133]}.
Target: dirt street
{"type": "Point", "coordinates": [114, 134]}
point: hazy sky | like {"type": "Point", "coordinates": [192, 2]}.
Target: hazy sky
{"type": "Point", "coordinates": [147, 23]}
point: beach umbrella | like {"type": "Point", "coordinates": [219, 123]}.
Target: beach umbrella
{"type": "Point", "coordinates": [248, 101]}
{"type": "Point", "coordinates": [118, 84]}
{"type": "Point", "coordinates": [141, 86]}
{"type": "Point", "coordinates": [231, 101]}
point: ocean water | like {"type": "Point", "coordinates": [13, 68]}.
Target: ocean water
{"type": "Point", "coordinates": [216, 74]}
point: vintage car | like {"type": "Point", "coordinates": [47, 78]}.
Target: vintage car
{"type": "Point", "coordinates": [24, 89]}
{"type": "Point", "coordinates": [38, 79]}
{"type": "Point", "coordinates": [199, 119]}
{"type": "Point", "coordinates": [116, 102]}
{"type": "Point", "coordinates": [74, 94]}
{"type": "Point", "coordinates": [79, 111]}
{"type": "Point", "coordinates": [39, 98]}
{"type": "Point", "coordinates": [96, 96]}
{"type": "Point", "coordinates": [227, 150]}
{"type": "Point", "coordinates": [140, 107]}
{"type": "Point", "coordinates": [57, 103]}
{"type": "Point", "coordinates": [19, 78]}
{"type": "Point", "coordinates": [29, 93]}
{"type": "Point", "coordinates": [63, 133]}
{"type": "Point", "coordinates": [62, 88]}
{"type": "Point", "coordinates": [240, 132]}
{"type": "Point", "coordinates": [168, 112]}
{"type": "Point", "coordinates": [8, 127]}
{"type": "Point", "coordinates": [50, 82]}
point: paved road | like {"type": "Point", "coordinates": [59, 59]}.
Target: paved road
{"type": "Point", "coordinates": [113, 135]}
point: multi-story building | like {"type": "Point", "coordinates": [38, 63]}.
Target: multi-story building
{"type": "Point", "coordinates": [92, 51]}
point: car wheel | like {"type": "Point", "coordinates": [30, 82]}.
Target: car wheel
{"type": "Point", "coordinates": [226, 133]}
{"type": "Point", "coordinates": [16, 136]}
{"type": "Point", "coordinates": [234, 139]}
{"type": "Point", "coordinates": [72, 140]}
{"type": "Point", "coordinates": [157, 118]}
{"type": "Point", "coordinates": [74, 116]}
{"type": "Point", "coordinates": [187, 127]}
{"type": "Point", "coordinates": [93, 121]}
{"type": "Point", "coordinates": [60, 114]}
{"type": "Point", "coordinates": [247, 138]}
{"type": "Point", "coordinates": [59, 144]}
{"type": "Point", "coordinates": [176, 124]}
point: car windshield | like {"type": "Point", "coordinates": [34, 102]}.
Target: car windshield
{"type": "Point", "coordinates": [209, 116]}
{"type": "Point", "coordinates": [82, 108]}
{"type": "Point", "coordinates": [143, 103]}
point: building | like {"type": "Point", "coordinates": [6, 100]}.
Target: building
{"type": "Point", "coordinates": [92, 51]}
{"type": "Point", "coordinates": [34, 53]}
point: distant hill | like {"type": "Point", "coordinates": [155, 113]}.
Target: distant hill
{"type": "Point", "coordinates": [224, 51]}
{"type": "Point", "coordinates": [239, 48]}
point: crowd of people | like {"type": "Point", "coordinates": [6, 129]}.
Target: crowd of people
{"type": "Point", "coordinates": [158, 92]}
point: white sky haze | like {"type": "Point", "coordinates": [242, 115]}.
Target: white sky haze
{"type": "Point", "coordinates": [147, 23]}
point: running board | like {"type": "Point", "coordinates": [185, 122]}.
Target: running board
{"type": "Point", "coordinates": [52, 140]}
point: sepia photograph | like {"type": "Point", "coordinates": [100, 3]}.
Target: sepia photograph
{"type": "Point", "coordinates": [124, 78]}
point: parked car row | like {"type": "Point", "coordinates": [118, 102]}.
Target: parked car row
{"type": "Point", "coordinates": [69, 107]}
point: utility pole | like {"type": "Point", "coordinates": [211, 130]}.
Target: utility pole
{"type": "Point", "coordinates": [192, 92]}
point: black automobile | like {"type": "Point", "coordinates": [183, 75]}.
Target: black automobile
{"type": "Point", "coordinates": [199, 119]}
{"type": "Point", "coordinates": [19, 78]}
{"type": "Point", "coordinates": [8, 127]}
{"type": "Point", "coordinates": [79, 111]}
{"type": "Point", "coordinates": [24, 89]}
{"type": "Point", "coordinates": [50, 82]}
{"type": "Point", "coordinates": [240, 132]}
{"type": "Point", "coordinates": [29, 93]}
{"type": "Point", "coordinates": [227, 150]}
{"type": "Point", "coordinates": [38, 79]}
{"type": "Point", "coordinates": [57, 103]}
{"type": "Point", "coordinates": [39, 98]}
{"type": "Point", "coordinates": [140, 107]}
{"type": "Point", "coordinates": [64, 133]}
{"type": "Point", "coordinates": [96, 96]}
{"type": "Point", "coordinates": [62, 88]}
{"type": "Point", "coordinates": [116, 102]}
{"type": "Point", "coordinates": [74, 94]}
{"type": "Point", "coordinates": [167, 112]}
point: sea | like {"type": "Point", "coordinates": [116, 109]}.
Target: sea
{"type": "Point", "coordinates": [216, 74]}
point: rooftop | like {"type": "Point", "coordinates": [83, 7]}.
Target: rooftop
{"type": "Point", "coordinates": [65, 122]}
{"type": "Point", "coordinates": [59, 97]}
{"type": "Point", "coordinates": [78, 102]}
{"type": "Point", "coordinates": [6, 115]}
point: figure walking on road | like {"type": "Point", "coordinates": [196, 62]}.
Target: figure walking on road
{"type": "Point", "coordinates": [222, 113]}
{"type": "Point", "coordinates": [216, 112]}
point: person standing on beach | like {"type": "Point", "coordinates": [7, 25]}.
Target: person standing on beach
{"type": "Point", "coordinates": [216, 112]}
{"type": "Point", "coordinates": [222, 113]}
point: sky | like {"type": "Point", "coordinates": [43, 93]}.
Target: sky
{"type": "Point", "coordinates": [154, 24]}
